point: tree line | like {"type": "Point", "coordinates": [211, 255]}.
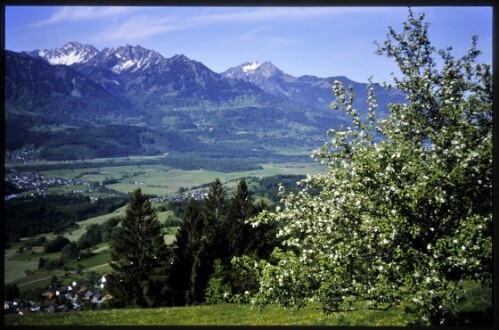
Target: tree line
{"type": "Point", "coordinates": [197, 267]}
{"type": "Point", "coordinates": [28, 216]}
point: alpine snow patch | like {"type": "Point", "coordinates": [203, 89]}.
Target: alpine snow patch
{"type": "Point", "coordinates": [251, 67]}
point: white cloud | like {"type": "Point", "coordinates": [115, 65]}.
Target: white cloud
{"type": "Point", "coordinates": [258, 38]}
{"type": "Point", "coordinates": [153, 21]}
{"type": "Point", "coordinates": [141, 27]}
{"type": "Point", "coordinates": [144, 26]}
{"type": "Point", "coordinates": [68, 14]}
{"type": "Point", "coordinates": [284, 13]}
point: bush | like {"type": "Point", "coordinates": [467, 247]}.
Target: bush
{"type": "Point", "coordinates": [41, 263]}
{"type": "Point", "coordinates": [216, 290]}
{"type": "Point", "coordinates": [40, 241]}
{"type": "Point", "coordinates": [69, 252]}
{"type": "Point", "coordinates": [56, 244]}
{"type": "Point", "coordinates": [53, 264]}
{"type": "Point", "coordinates": [90, 238]}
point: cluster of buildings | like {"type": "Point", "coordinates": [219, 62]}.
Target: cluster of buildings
{"type": "Point", "coordinates": [197, 195]}
{"type": "Point", "coordinates": [24, 155]}
{"type": "Point", "coordinates": [39, 184]}
{"type": "Point", "coordinates": [66, 298]}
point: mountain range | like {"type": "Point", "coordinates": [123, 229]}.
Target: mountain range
{"type": "Point", "coordinates": [171, 104]}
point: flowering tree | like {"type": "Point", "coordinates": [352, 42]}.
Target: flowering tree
{"type": "Point", "coordinates": [404, 212]}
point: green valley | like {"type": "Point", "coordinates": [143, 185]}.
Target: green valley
{"type": "Point", "coordinates": [109, 177]}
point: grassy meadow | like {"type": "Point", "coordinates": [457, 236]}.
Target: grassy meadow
{"type": "Point", "coordinates": [476, 310]}
{"type": "Point", "coordinates": [222, 314]}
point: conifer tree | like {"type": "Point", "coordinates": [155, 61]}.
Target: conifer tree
{"type": "Point", "coordinates": [139, 256]}
{"type": "Point", "coordinates": [186, 247]}
{"type": "Point", "coordinates": [215, 213]}
{"type": "Point", "coordinates": [240, 240]}
{"type": "Point", "coordinates": [212, 244]}
{"type": "Point", "coordinates": [240, 209]}
{"type": "Point", "coordinates": [215, 202]}
{"type": "Point", "coordinates": [215, 230]}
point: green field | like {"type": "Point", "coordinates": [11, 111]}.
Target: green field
{"type": "Point", "coordinates": [162, 180]}
{"type": "Point", "coordinates": [223, 314]}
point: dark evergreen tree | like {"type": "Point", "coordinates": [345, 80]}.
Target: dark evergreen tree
{"type": "Point", "coordinates": [215, 203]}
{"type": "Point", "coordinates": [240, 209]}
{"type": "Point", "coordinates": [186, 247]}
{"type": "Point", "coordinates": [241, 239]}
{"type": "Point", "coordinates": [217, 231]}
{"type": "Point", "coordinates": [140, 257]}
{"type": "Point", "coordinates": [215, 244]}
{"type": "Point", "coordinates": [212, 244]}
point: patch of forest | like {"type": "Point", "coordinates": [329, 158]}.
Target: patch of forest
{"type": "Point", "coordinates": [28, 216]}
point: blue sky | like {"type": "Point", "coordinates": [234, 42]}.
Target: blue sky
{"type": "Point", "coordinates": [320, 41]}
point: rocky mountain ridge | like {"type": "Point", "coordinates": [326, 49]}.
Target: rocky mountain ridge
{"type": "Point", "coordinates": [167, 104]}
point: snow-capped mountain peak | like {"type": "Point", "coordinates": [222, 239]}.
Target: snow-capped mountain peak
{"type": "Point", "coordinates": [69, 54]}
{"type": "Point", "coordinates": [264, 75]}
{"type": "Point", "coordinates": [124, 58]}
{"type": "Point", "coordinates": [131, 58]}
{"type": "Point", "coordinates": [251, 66]}
{"type": "Point", "coordinates": [253, 70]}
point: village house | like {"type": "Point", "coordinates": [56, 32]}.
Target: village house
{"type": "Point", "coordinates": [63, 299]}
